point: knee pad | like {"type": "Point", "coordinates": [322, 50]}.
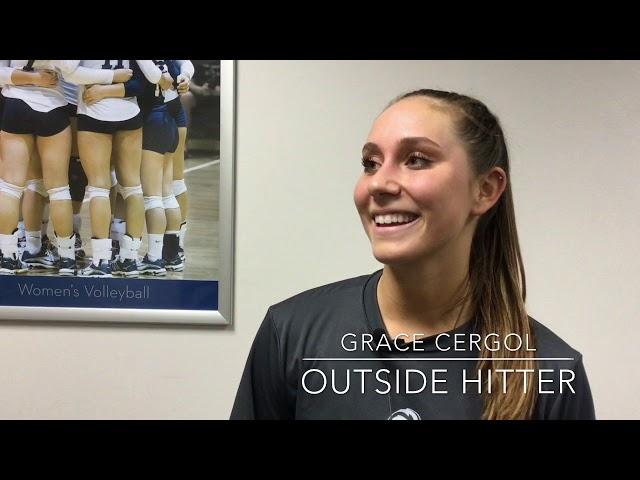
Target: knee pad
{"type": "Point", "coordinates": [170, 202]}
{"type": "Point", "coordinates": [59, 193]}
{"type": "Point", "coordinates": [126, 192]}
{"type": "Point", "coordinates": [179, 187]}
{"type": "Point", "coordinates": [97, 192]}
{"type": "Point", "coordinates": [10, 189]}
{"type": "Point", "coordinates": [37, 185]}
{"type": "Point", "coordinates": [152, 202]}
{"type": "Point", "coordinates": [114, 179]}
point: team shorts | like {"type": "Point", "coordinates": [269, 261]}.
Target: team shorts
{"type": "Point", "coordinates": [90, 124]}
{"type": "Point", "coordinates": [160, 132]}
{"type": "Point", "coordinates": [19, 118]}
{"type": "Point", "coordinates": [72, 110]}
{"type": "Point", "coordinates": [175, 109]}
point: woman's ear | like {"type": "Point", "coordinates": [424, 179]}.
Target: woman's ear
{"type": "Point", "coordinates": [490, 186]}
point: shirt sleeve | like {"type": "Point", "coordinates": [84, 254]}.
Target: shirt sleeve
{"type": "Point", "coordinates": [135, 86]}
{"type": "Point", "coordinates": [73, 72]}
{"type": "Point", "coordinates": [150, 70]}
{"type": "Point", "coordinates": [65, 67]}
{"type": "Point", "coordinates": [186, 68]}
{"type": "Point", "coordinates": [569, 405]}
{"type": "Point", "coordinates": [262, 391]}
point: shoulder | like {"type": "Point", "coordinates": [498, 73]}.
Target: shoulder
{"type": "Point", "coordinates": [338, 301]}
{"type": "Point", "coordinates": [324, 297]}
{"type": "Point", "coordinates": [549, 344]}
{"type": "Point", "coordinates": [564, 392]}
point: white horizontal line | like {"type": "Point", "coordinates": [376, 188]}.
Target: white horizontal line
{"type": "Point", "coordinates": [198, 167]}
{"type": "Point", "coordinates": [439, 359]}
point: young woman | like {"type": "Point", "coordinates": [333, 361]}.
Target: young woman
{"type": "Point", "coordinates": [14, 247]}
{"type": "Point", "coordinates": [35, 119]}
{"type": "Point", "coordinates": [10, 75]}
{"type": "Point", "coordinates": [159, 141]}
{"type": "Point", "coordinates": [41, 253]}
{"type": "Point", "coordinates": [434, 334]}
{"type": "Point", "coordinates": [182, 71]}
{"type": "Point", "coordinates": [109, 126]}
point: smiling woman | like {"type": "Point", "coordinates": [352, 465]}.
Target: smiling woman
{"type": "Point", "coordinates": [436, 203]}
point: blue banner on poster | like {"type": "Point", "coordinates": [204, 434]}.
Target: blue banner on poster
{"type": "Point", "coordinates": [91, 292]}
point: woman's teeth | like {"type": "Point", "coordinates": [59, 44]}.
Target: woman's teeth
{"type": "Point", "coordinates": [394, 218]}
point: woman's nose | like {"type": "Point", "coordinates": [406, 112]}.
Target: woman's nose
{"type": "Point", "coordinates": [384, 182]}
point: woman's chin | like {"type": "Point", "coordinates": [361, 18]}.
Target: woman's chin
{"type": "Point", "coordinates": [395, 256]}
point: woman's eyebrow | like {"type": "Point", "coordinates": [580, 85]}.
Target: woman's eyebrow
{"type": "Point", "coordinates": [417, 140]}
{"type": "Point", "coordinates": [373, 148]}
{"type": "Point", "coordinates": [370, 147]}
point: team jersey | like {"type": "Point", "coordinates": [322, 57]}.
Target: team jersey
{"type": "Point", "coordinates": [107, 109]}
{"type": "Point", "coordinates": [152, 97]}
{"type": "Point", "coordinates": [45, 99]}
{"type": "Point", "coordinates": [70, 91]}
{"type": "Point", "coordinates": [115, 109]}
{"type": "Point", "coordinates": [323, 355]}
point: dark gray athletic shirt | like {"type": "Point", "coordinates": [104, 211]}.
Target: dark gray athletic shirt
{"type": "Point", "coordinates": [312, 358]}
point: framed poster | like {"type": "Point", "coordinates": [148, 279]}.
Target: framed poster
{"type": "Point", "coordinates": [201, 290]}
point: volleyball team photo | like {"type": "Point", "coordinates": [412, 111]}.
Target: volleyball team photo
{"type": "Point", "coordinates": [110, 168]}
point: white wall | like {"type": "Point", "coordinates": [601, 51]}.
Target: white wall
{"type": "Point", "coordinates": [573, 133]}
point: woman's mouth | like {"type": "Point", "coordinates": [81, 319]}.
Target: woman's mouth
{"type": "Point", "coordinates": [394, 222]}
{"type": "Point", "coordinates": [394, 219]}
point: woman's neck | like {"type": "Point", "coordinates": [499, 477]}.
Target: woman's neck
{"type": "Point", "coordinates": [424, 299]}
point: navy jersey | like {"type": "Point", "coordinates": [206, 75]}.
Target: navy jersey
{"type": "Point", "coordinates": [177, 68]}
{"type": "Point", "coordinates": [151, 96]}
{"type": "Point", "coordinates": [174, 71]}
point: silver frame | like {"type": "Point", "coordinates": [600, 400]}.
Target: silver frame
{"type": "Point", "coordinates": [223, 315]}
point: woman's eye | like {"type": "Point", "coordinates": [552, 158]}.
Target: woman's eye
{"type": "Point", "coordinates": [418, 161]}
{"type": "Point", "coordinates": [369, 165]}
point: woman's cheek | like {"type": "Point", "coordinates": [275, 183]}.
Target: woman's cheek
{"type": "Point", "coordinates": [361, 195]}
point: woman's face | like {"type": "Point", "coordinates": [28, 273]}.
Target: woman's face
{"type": "Point", "coordinates": [415, 196]}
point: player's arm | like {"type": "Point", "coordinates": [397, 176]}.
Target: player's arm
{"type": "Point", "coordinates": [131, 88]}
{"type": "Point", "coordinates": [186, 68]}
{"type": "Point", "coordinates": [17, 76]}
{"type": "Point", "coordinates": [186, 74]}
{"type": "Point", "coordinates": [154, 75]}
{"type": "Point", "coordinates": [150, 70]}
{"type": "Point", "coordinates": [73, 72]}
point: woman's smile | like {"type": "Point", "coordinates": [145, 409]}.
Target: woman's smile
{"type": "Point", "coordinates": [393, 223]}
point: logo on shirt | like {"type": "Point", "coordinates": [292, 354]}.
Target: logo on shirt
{"type": "Point", "coordinates": [404, 414]}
